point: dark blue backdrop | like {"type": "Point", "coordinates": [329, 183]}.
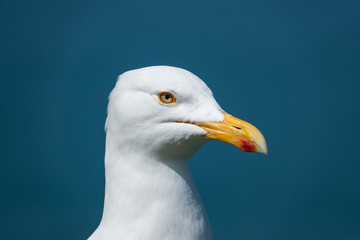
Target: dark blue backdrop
{"type": "Point", "coordinates": [291, 68]}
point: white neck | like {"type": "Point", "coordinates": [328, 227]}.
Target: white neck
{"type": "Point", "coordinates": [151, 199]}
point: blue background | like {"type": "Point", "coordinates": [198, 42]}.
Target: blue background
{"type": "Point", "coordinates": [291, 68]}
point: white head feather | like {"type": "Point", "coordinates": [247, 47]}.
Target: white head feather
{"type": "Point", "coordinates": [143, 123]}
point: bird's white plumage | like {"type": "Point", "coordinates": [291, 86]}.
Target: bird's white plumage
{"type": "Point", "coordinates": [150, 194]}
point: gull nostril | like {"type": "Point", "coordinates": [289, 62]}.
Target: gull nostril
{"type": "Point", "coordinates": [237, 127]}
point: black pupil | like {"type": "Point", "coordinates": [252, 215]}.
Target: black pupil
{"type": "Point", "coordinates": [167, 96]}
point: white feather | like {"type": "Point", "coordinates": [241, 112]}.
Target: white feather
{"type": "Point", "coordinates": [150, 194]}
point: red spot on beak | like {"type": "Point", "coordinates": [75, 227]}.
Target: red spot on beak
{"type": "Point", "coordinates": [247, 146]}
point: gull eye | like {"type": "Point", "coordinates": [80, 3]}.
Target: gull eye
{"type": "Point", "coordinates": [166, 97]}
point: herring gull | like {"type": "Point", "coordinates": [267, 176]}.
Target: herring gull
{"type": "Point", "coordinates": [158, 117]}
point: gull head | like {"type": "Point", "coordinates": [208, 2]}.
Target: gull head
{"type": "Point", "coordinates": [168, 112]}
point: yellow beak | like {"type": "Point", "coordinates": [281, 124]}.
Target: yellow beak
{"type": "Point", "coordinates": [236, 132]}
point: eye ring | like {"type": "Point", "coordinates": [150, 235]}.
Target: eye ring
{"type": "Point", "coordinates": [166, 97]}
